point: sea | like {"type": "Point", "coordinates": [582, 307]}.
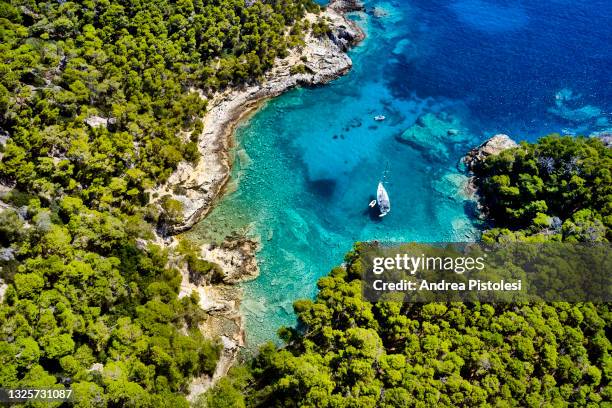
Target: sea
{"type": "Point", "coordinates": [446, 75]}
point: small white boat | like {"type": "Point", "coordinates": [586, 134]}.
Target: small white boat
{"type": "Point", "coordinates": [372, 203]}
{"type": "Point", "coordinates": [382, 199]}
{"type": "Point", "coordinates": [380, 118]}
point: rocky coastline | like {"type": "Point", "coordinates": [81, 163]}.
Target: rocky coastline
{"type": "Point", "coordinates": [324, 59]}
{"type": "Point", "coordinates": [492, 146]}
{"type": "Point", "coordinates": [198, 187]}
{"type": "Point", "coordinates": [347, 6]}
{"type": "Point", "coordinates": [221, 301]}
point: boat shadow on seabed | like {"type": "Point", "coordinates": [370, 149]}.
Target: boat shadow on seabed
{"type": "Point", "coordinates": [373, 212]}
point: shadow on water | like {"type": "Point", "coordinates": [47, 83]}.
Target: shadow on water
{"type": "Point", "coordinates": [373, 212]}
{"type": "Point", "coordinates": [323, 187]}
{"type": "Point", "coordinates": [471, 209]}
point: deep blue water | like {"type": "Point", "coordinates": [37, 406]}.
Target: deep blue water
{"type": "Point", "coordinates": [446, 76]}
{"type": "Point", "coordinates": [507, 59]}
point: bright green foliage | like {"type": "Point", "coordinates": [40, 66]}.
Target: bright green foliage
{"type": "Point", "coordinates": [83, 295]}
{"type": "Point", "coordinates": [200, 271]}
{"type": "Point", "coordinates": [320, 28]}
{"type": "Point", "coordinates": [99, 104]}
{"type": "Point", "coordinates": [134, 64]}
{"type": "Point", "coordinates": [559, 188]}
{"type": "Point", "coordinates": [352, 353]}
{"type": "Point", "coordinates": [299, 69]}
{"type": "Point", "coordinates": [228, 392]}
{"type": "Point", "coordinates": [349, 352]}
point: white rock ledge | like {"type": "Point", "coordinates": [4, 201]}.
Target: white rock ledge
{"type": "Point", "coordinates": [201, 185]}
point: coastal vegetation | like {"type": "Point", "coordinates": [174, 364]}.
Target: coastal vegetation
{"type": "Point", "coordinates": [559, 188]}
{"type": "Point", "coordinates": [99, 102]}
{"type": "Point", "coordinates": [350, 352]}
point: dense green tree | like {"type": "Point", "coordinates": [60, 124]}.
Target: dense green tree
{"type": "Point", "coordinates": [559, 188]}
{"type": "Point", "coordinates": [99, 104]}
{"type": "Point", "coordinates": [393, 354]}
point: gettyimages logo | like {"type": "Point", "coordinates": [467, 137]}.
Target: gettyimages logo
{"type": "Point", "coordinates": [515, 272]}
{"type": "Point", "coordinates": [412, 264]}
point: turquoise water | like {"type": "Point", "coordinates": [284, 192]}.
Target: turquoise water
{"type": "Point", "coordinates": [307, 164]}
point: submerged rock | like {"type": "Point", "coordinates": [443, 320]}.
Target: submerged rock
{"type": "Point", "coordinates": [433, 134]}
{"type": "Point", "coordinates": [379, 12]}
{"type": "Point", "coordinates": [405, 49]}
{"type": "Point", "coordinates": [568, 107]}
{"type": "Point", "coordinates": [494, 145]}
{"type": "Point", "coordinates": [454, 186]}
{"type": "Point", "coordinates": [401, 46]}
{"type": "Point", "coordinates": [582, 114]}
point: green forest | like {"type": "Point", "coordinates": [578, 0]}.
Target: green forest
{"type": "Point", "coordinates": [349, 352]}
{"type": "Point", "coordinates": [100, 101]}
{"type": "Point", "coordinates": [98, 104]}
{"type": "Point", "coordinates": [557, 189]}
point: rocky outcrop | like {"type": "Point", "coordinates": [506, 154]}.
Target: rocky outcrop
{"type": "Point", "coordinates": [346, 37]}
{"type": "Point", "coordinates": [346, 6]}
{"type": "Point", "coordinates": [607, 140]}
{"type": "Point", "coordinates": [197, 187]}
{"type": "Point", "coordinates": [98, 121]}
{"type": "Point", "coordinates": [221, 302]}
{"type": "Point", "coordinates": [200, 385]}
{"type": "Point", "coordinates": [3, 288]}
{"type": "Point", "coordinates": [345, 33]}
{"type": "Point", "coordinates": [605, 136]}
{"type": "Point", "coordinates": [6, 254]}
{"type": "Point", "coordinates": [236, 256]}
{"type": "Point", "coordinates": [494, 145]}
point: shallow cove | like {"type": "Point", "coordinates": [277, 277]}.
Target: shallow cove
{"type": "Point", "coordinates": [446, 76]}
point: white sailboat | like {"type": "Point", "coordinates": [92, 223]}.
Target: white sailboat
{"type": "Point", "coordinates": [382, 199]}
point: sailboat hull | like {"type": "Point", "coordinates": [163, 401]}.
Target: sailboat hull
{"type": "Point", "coordinates": [382, 199]}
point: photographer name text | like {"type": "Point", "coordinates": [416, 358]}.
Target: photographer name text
{"type": "Point", "coordinates": [445, 286]}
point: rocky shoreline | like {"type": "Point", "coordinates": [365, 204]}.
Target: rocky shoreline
{"type": "Point", "coordinates": [221, 301]}
{"type": "Point", "coordinates": [492, 146]}
{"type": "Point", "coordinates": [198, 187]}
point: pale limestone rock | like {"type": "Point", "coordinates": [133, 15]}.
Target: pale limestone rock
{"type": "Point", "coordinates": [494, 145]}
{"type": "Point", "coordinates": [97, 121]}
{"type": "Point", "coordinates": [202, 184]}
